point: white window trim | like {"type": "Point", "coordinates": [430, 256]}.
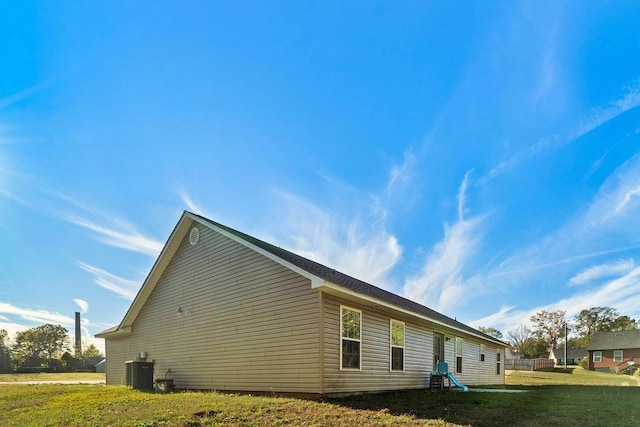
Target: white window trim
{"type": "Point", "coordinates": [391, 345]}
{"type": "Point", "coordinates": [483, 352]}
{"type": "Point", "coordinates": [499, 362]}
{"type": "Point", "coordinates": [350, 339]}
{"type": "Point", "coordinates": [597, 355]}
{"type": "Point", "coordinates": [461, 341]}
{"type": "Point", "coordinates": [621, 355]}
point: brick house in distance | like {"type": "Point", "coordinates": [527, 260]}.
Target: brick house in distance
{"type": "Point", "coordinates": [614, 351]}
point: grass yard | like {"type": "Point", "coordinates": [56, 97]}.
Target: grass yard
{"type": "Point", "coordinates": [41, 376]}
{"type": "Point", "coordinates": [573, 376]}
{"type": "Point", "coordinates": [578, 398]}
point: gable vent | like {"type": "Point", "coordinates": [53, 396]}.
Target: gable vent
{"type": "Point", "coordinates": [194, 236]}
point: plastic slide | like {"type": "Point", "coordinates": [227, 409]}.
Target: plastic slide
{"type": "Point", "coordinates": [455, 381]}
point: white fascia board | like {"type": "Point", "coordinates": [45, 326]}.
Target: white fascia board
{"type": "Point", "coordinates": [114, 334]}
{"type": "Point", "coordinates": [315, 280]}
{"type": "Point", "coordinates": [377, 301]}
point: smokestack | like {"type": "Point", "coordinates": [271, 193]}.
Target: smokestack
{"type": "Point", "coordinates": [78, 336]}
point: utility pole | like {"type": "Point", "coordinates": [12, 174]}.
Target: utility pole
{"type": "Point", "coordinates": [566, 343]}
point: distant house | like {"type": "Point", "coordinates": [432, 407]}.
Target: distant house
{"type": "Point", "coordinates": [96, 364]}
{"type": "Point", "coordinates": [223, 310]}
{"type": "Point", "coordinates": [101, 366]}
{"type": "Point", "coordinates": [511, 355]}
{"type": "Point", "coordinates": [617, 351]}
{"type": "Point", "coordinates": [573, 356]}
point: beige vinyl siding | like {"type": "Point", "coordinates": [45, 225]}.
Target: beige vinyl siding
{"type": "Point", "coordinates": [225, 317]}
{"type": "Point", "coordinates": [474, 372]}
{"type": "Point", "coordinates": [375, 373]}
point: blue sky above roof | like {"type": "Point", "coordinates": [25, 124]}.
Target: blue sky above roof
{"type": "Point", "coordinates": [480, 160]}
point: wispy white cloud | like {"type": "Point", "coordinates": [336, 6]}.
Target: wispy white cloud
{"type": "Point", "coordinates": [622, 293]}
{"type": "Point", "coordinates": [462, 195]}
{"type": "Point", "coordinates": [84, 306]}
{"type": "Point", "coordinates": [402, 176]}
{"type": "Point", "coordinates": [125, 288]}
{"type": "Point", "coordinates": [12, 328]}
{"type": "Point", "coordinates": [526, 256]}
{"type": "Point", "coordinates": [17, 319]}
{"type": "Point", "coordinates": [504, 319]}
{"type": "Point", "coordinates": [190, 204]}
{"type": "Point", "coordinates": [129, 239]}
{"type": "Point", "coordinates": [40, 316]}
{"type": "Point", "coordinates": [23, 94]}
{"type": "Point", "coordinates": [355, 239]}
{"type": "Point", "coordinates": [109, 228]}
{"type": "Point", "coordinates": [602, 227]}
{"type": "Point", "coordinates": [600, 271]}
{"type": "Point", "coordinates": [627, 198]}
{"type": "Point", "coordinates": [600, 116]}
{"type": "Point", "coordinates": [363, 249]}
{"type": "Point", "coordinates": [597, 118]}
{"type": "Point", "coordinates": [618, 197]}
{"type": "Point", "coordinates": [441, 282]}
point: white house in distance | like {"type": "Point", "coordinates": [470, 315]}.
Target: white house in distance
{"type": "Point", "coordinates": [226, 311]}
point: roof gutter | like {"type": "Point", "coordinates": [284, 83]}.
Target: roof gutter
{"type": "Point", "coordinates": [332, 286]}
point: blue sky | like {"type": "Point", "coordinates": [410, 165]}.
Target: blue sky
{"type": "Point", "coordinates": [482, 158]}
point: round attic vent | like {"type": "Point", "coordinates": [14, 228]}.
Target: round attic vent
{"type": "Point", "coordinates": [194, 236]}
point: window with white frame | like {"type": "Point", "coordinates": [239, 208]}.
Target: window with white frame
{"type": "Point", "coordinates": [617, 355]}
{"type": "Point", "coordinates": [458, 355]}
{"type": "Point", "coordinates": [498, 357]}
{"type": "Point", "coordinates": [351, 330]}
{"type": "Point", "coordinates": [397, 345]}
{"type": "Point", "coordinates": [482, 351]}
{"type": "Point", "coordinates": [597, 356]}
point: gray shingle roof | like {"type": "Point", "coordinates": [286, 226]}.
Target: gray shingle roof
{"type": "Point", "coordinates": [572, 353]}
{"type": "Point", "coordinates": [346, 281]}
{"type": "Point", "coordinates": [619, 340]}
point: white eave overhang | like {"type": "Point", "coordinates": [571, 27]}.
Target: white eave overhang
{"type": "Point", "coordinates": [334, 289]}
{"type": "Point", "coordinates": [115, 334]}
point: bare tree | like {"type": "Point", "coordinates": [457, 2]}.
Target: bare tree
{"type": "Point", "coordinates": [519, 338]}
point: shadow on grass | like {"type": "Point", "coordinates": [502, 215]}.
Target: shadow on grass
{"type": "Point", "coordinates": [569, 370]}
{"type": "Point", "coordinates": [549, 405]}
{"type": "Point", "coordinates": [476, 409]}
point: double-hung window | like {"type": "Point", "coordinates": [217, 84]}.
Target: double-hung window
{"type": "Point", "coordinates": [397, 345]}
{"type": "Point", "coordinates": [351, 330]}
{"type": "Point", "coordinates": [597, 356]}
{"type": "Point", "coordinates": [458, 355]}
{"type": "Point", "coordinates": [482, 350]}
{"type": "Point", "coordinates": [617, 355]}
{"type": "Point", "coordinates": [498, 356]}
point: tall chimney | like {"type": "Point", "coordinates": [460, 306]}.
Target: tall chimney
{"type": "Point", "coordinates": [78, 336]}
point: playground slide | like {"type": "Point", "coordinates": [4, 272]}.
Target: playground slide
{"type": "Point", "coordinates": [455, 381]}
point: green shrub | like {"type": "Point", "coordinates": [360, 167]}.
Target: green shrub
{"type": "Point", "coordinates": [584, 363]}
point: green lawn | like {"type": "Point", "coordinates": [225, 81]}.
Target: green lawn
{"type": "Point", "coordinates": [578, 398]}
{"type": "Point", "coordinates": [573, 376]}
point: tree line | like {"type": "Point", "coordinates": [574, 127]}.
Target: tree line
{"type": "Point", "coordinates": [43, 348]}
{"type": "Point", "coordinates": [547, 330]}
